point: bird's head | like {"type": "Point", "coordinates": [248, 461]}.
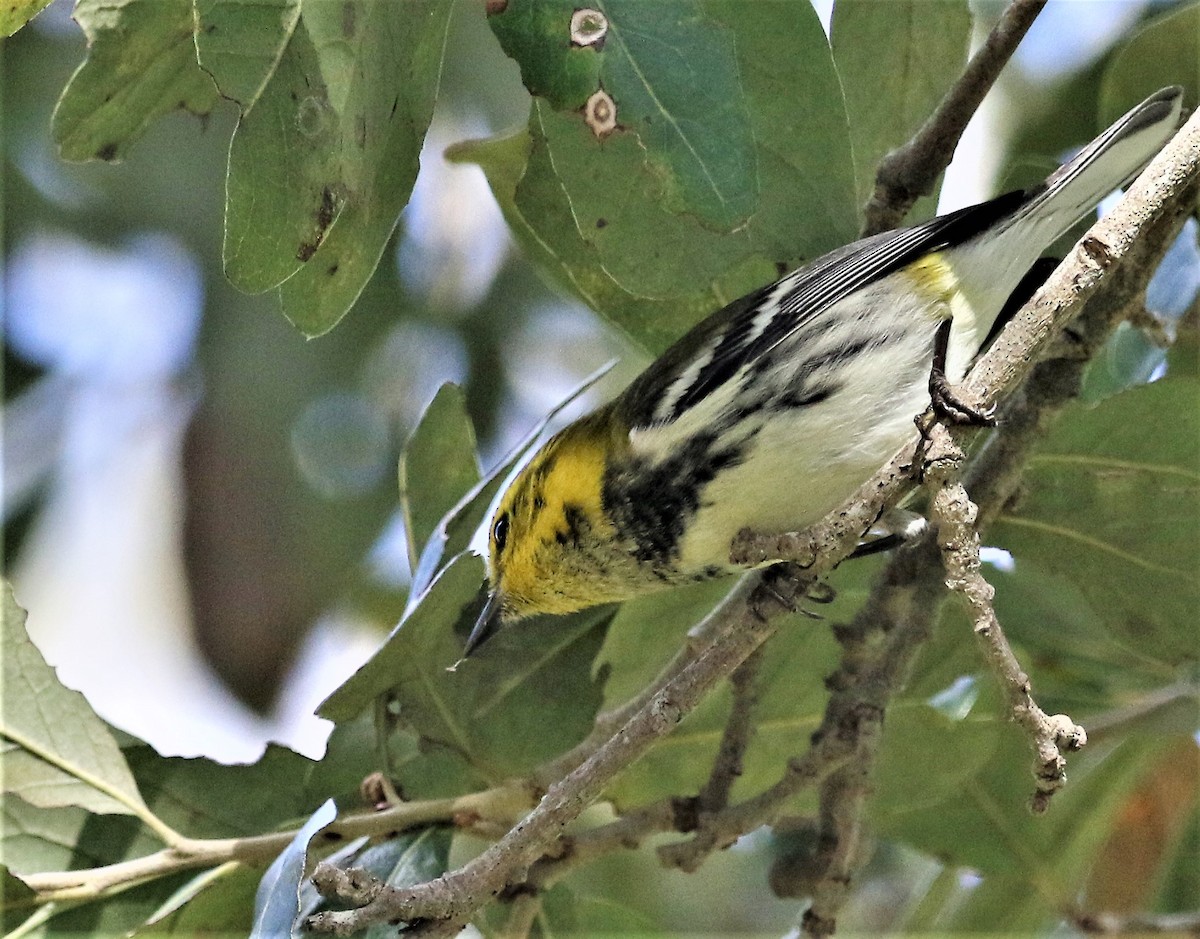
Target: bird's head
{"type": "Point", "coordinates": [551, 547]}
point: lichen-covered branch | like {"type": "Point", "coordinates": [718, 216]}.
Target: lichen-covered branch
{"type": "Point", "coordinates": [954, 516]}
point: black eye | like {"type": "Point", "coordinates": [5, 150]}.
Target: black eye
{"type": "Point", "coordinates": [500, 531]}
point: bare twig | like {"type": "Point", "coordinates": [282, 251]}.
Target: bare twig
{"type": "Point", "coordinates": [840, 836]}
{"type": "Point", "coordinates": [878, 649]}
{"type": "Point", "coordinates": [954, 516]}
{"type": "Point", "coordinates": [739, 727]}
{"type": "Point", "coordinates": [909, 171]}
{"type": "Point", "coordinates": [1111, 924]}
{"type": "Point", "coordinates": [880, 646]}
{"type": "Point", "coordinates": [503, 804]}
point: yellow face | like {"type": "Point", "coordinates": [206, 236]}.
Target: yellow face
{"type": "Point", "coordinates": [549, 537]}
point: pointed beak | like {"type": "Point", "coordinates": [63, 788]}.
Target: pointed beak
{"type": "Point", "coordinates": [487, 624]}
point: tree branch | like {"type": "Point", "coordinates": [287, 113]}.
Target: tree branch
{"type": "Point", "coordinates": [954, 516]}
{"type": "Point", "coordinates": [499, 805]}
{"type": "Point", "coordinates": [739, 728]}
{"type": "Point", "coordinates": [458, 894]}
{"type": "Point", "coordinates": [909, 171]}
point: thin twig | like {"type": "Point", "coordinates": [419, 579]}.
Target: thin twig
{"type": "Point", "coordinates": [878, 649]}
{"type": "Point", "coordinates": [909, 171]}
{"type": "Point", "coordinates": [1112, 924]}
{"type": "Point", "coordinates": [954, 516]}
{"type": "Point", "coordinates": [739, 727]}
{"type": "Point", "coordinates": [502, 804]}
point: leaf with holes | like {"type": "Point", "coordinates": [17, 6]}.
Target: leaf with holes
{"type": "Point", "coordinates": [714, 176]}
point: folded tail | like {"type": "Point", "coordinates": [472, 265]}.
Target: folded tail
{"type": "Point", "coordinates": [990, 265]}
{"type": "Point", "coordinates": [1107, 163]}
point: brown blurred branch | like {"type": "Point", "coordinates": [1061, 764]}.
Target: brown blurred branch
{"type": "Point", "coordinates": [909, 171]}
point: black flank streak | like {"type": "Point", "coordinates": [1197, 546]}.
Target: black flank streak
{"type": "Point", "coordinates": [653, 503]}
{"type": "Point", "coordinates": [844, 352]}
{"type": "Point", "coordinates": [802, 397]}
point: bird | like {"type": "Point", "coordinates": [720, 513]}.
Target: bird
{"type": "Point", "coordinates": [776, 408]}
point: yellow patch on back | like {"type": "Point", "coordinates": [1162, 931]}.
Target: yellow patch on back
{"type": "Point", "coordinates": [934, 277]}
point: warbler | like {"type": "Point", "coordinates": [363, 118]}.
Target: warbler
{"type": "Point", "coordinates": [772, 411]}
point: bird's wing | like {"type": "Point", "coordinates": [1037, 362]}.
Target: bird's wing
{"type": "Point", "coordinates": [717, 348]}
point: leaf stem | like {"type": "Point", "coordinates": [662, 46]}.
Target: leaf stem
{"type": "Point", "coordinates": [133, 802]}
{"type": "Point", "coordinates": [502, 804]}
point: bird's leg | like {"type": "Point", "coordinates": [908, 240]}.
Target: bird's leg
{"type": "Point", "coordinates": [946, 403]}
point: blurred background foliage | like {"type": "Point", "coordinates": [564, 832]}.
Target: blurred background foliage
{"type": "Point", "coordinates": [201, 503]}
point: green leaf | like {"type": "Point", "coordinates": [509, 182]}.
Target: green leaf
{"type": "Point", "coordinates": [547, 232]}
{"type": "Point", "coordinates": [566, 912]}
{"type": "Point", "coordinates": [927, 757]}
{"type": "Point", "coordinates": [141, 65]}
{"type": "Point", "coordinates": [240, 43]}
{"type": "Point", "coordinates": [213, 800]}
{"type": "Point", "coordinates": [896, 61]}
{"type": "Point", "coordinates": [33, 840]}
{"type": "Point", "coordinates": [695, 197]}
{"type": "Point", "coordinates": [1164, 52]}
{"type": "Point", "coordinates": [56, 751]}
{"type": "Point", "coordinates": [1110, 505]}
{"type": "Point", "coordinates": [285, 189]}
{"type": "Point", "coordinates": [16, 13]}
{"type": "Point", "coordinates": [16, 901]}
{"type": "Point", "coordinates": [223, 906]}
{"type": "Point", "coordinates": [277, 902]}
{"type": "Point", "coordinates": [379, 65]}
{"type": "Point", "coordinates": [190, 890]}
{"type": "Point", "coordinates": [437, 466]}
{"type": "Point", "coordinates": [985, 823]}
{"type": "Point", "coordinates": [491, 712]}
{"type": "Point", "coordinates": [435, 613]}
{"type": "Point", "coordinates": [698, 131]}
